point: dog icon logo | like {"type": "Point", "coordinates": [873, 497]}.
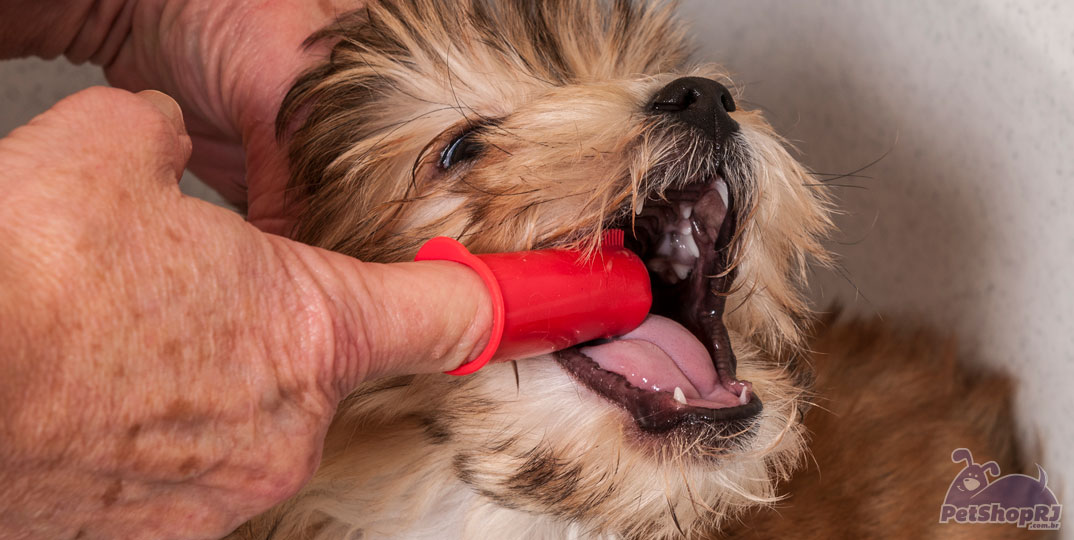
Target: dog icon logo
{"type": "Point", "coordinates": [1013, 498]}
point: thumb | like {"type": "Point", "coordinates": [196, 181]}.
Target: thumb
{"type": "Point", "coordinates": [389, 319]}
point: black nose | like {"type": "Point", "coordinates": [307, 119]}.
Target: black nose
{"type": "Point", "coordinates": [702, 103]}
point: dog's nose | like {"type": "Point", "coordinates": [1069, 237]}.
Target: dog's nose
{"type": "Point", "coordinates": [702, 103]}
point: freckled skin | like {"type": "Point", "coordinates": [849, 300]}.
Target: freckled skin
{"type": "Point", "coordinates": [111, 495]}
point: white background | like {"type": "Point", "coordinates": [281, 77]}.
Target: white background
{"type": "Point", "coordinates": [966, 223]}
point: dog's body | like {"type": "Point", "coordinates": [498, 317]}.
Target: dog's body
{"type": "Point", "coordinates": [892, 404]}
{"type": "Point", "coordinates": [516, 125]}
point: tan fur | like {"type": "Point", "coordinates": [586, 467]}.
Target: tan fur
{"type": "Point", "coordinates": [892, 405]}
{"type": "Point", "coordinates": [559, 89]}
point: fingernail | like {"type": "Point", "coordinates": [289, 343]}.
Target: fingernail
{"type": "Point", "coordinates": [166, 105]}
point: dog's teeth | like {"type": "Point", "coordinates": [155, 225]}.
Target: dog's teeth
{"type": "Point", "coordinates": [681, 270]}
{"type": "Point", "coordinates": [691, 246]}
{"type": "Point", "coordinates": [744, 397]}
{"type": "Point", "coordinates": [665, 246]}
{"type": "Point", "coordinates": [721, 188]}
{"type": "Point", "coordinates": [685, 211]}
{"type": "Point", "coordinates": [679, 396]}
{"type": "Point", "coordinates": [641, 205]}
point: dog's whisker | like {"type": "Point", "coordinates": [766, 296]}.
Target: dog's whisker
{"type": "Point", "coordinates": [518, 384]}
{"type": "Point", "coordinates": [848, 186]}
{"type": "Point", "coordinates": [841, 175]}
{"type": "Point", "coordinates": [674, 517]}
{"type": "Point", "coordinates": [854, 173]}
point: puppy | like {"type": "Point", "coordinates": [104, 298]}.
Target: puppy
{"type": "Point", "coordinates": [513, 125]}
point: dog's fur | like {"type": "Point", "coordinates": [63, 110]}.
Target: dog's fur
{"type": "Point", "coordinates": [893, 402]}
{"type": "Point", "coordinates": [557, 91]}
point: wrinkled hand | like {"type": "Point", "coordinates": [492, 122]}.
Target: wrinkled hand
{"type": "Point", "coordinates": [228, 64]}
{"type": "Point", "coordinates": [168, 369]}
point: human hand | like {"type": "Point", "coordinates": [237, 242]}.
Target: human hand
{"type": "Point", "coordinates": [170, 370]}
{"type": "Point", "coordinates": [228, 63]}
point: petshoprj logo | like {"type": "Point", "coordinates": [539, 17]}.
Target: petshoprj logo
{"type": "Point", "coordinates": [1014, 498]}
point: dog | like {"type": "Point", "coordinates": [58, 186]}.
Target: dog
{"type": "Point", "coordinates": [513, 125]}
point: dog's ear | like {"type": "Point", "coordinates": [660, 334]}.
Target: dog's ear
{"type": "Point", "coordinates": [991, 468]}
{"type": "Point", "coordinates": [963, 454]}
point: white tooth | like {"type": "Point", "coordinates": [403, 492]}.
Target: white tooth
{"type": "Point", "coordinates": [665, 246]}
{"type": "Point", "coordinates": [685, 211]}
{"type": "Point", "coordinates": [679, 396]}
{"type": "Point", "coordinates": [676, 244]}
{"type": "Point", "coordinates": [681, 270]}
{"type": "Point", "coordinates": [744, 397]}
{"type": "Point", "coordinates": [641, 205]}
{"type": "Point", "coordinates": [686, 229]}
{"type": "Point", "coordinates": [721, 188]}
{"type": "Point", "coordinates": [691, 245]}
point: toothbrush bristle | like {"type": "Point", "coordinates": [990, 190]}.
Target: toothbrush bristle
{"type": "Point", "coordinates": [613, 238]}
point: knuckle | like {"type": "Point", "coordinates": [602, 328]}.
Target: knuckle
{"type": "Point", "coordinates": [284, 481]}
{"type": "Point", "coordinates": [284, 464]}
{"type": "Point", "coordinates": [119, 111]}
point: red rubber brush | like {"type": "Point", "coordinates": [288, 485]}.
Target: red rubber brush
{"type": "Point", "coordinates": [550, 299]}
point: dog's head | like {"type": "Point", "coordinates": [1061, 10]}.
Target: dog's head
{"type": "Point", "coordinates": [515, 125]}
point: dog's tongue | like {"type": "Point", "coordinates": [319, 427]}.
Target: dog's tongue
{"type": "Point", "coordinates": [660, 355]}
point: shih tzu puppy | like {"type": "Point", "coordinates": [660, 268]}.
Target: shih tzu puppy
{"type": "Point", "coordinates": [522, 124]}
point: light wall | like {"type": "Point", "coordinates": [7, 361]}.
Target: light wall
{"type": "Point", "coordinates": [966, 219]}
{"type": "Point", "coordinates": [29, 86]}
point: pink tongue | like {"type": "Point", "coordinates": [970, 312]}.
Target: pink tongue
{"type": "Point", "coordinates": [660, 355]}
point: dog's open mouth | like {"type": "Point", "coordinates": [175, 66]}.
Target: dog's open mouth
{"type": "Point", "coordinates": [677, 369]}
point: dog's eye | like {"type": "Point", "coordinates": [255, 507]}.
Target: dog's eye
{"type": "Point", "coordinates": [462, 148]}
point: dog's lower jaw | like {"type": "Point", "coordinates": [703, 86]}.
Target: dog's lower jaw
{"type": "Point", "coordinates": [392, 484]}
{"type": "Point", "coordinates": [441, 457]}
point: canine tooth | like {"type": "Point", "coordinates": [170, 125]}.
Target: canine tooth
{"type": "Point", "coordinates": [721, 188]}
{"type": "Point", "coordinates": [681, 270]}
{"type": "Point", "coordinates": [691, 246]}
{"type": "Point", "coordinates": [685, 211]}
{"type": "Point", "coordinates": [679, 396]}
{"type": "Point", "coordinates": [641, 205]}
{"type": "Point", "coordinates": [744, 397]}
